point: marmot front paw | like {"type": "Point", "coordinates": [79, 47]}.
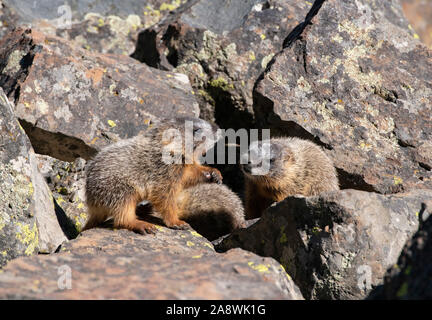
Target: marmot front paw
{"type": "Point", "coordinates": [213, 176]}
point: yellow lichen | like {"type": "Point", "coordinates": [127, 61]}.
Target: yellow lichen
{"type": "Point", "coordinates": [28, 237]}
{"type": "Point", "coordinates": [111, 123]}
{"type": "Point", "coordinates": [196, 234]}
{"type": "Point", "coordinates": [259, 267]}
{"type": "Point", "coordinates": [397, 180]}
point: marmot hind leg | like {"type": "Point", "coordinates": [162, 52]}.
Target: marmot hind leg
{"type": "Point", "coordinates": [125, 217]}
{"type": "Point", "coordinates": [97, 215]}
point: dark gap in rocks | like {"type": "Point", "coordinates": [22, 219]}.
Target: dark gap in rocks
{"type": "Point", "coordinates": [425, 166]}
{"type": "Point", "coordinates": [353, 181]}
{"type": "Point", "coordinates": [265, 5]}
{"type": "Point", "coordinates": [404, 143]}
{"type": "Point", "coordinates": [57, 145]}
{"type": "Point", "coordinates": [146, 49]}
{"type": "Point", "coordinates": [227, 115]}
{"type": "Point", "coordinates": [298, 30]}
{"type": "Point", "coordinates": [66, 224]}
{"type": "Point", "coordinates": [279, 127]}
{"type": "Point", "coordinates": [386, 94]}
{"type": "Point", "coordinates": [169, 36]}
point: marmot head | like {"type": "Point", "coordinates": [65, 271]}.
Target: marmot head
{"type": "Point", "coordinates": [266, 161]}
{"type": "Point", "coordinates": [188, 137]}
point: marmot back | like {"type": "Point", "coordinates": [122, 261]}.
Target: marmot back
{"type": "Point", "coordinates": [212, 209]}
{"type": "Point", "coordinates": [123, 174]}
{"type": "Point", "coordinates": [293, 166]}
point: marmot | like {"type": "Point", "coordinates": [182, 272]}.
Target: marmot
{"type": "Point", "coordinates": [211, 209]}
{"type": "Point", "coordinates": [124, 173]}
{"type": "Point", "coordinates": [294, 166]}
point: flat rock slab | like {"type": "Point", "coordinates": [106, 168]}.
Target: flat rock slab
{"type": "Point", "coordinates": [72, 102]}
{"type": "Point", "coordinates": [338, 245]}
{"type": "Point", "coordinates": [107, 264]}
{"type": "Point", "coordinates": [358, 82]}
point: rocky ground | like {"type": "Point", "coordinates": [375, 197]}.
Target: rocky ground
{"type": "Point", "coordinates": [352, 76]}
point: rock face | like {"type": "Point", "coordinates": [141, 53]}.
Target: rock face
{"type": "Point", "coordinates": [223, 46]}
{"type": "Point", "coordinates": [338, 245]}
{"type": "Point", "coordinates": [28, 222]}
{"type": "Point", "coordinates": [358, 82]}
{"type": "Point", "coordinates": [101, 26]}
{"type": "Point", "coordinates": [71, 102]}
{"type": "Point", "coordinates": [411, 277]}
{"type": "Point", "coordinates": [106, 264]}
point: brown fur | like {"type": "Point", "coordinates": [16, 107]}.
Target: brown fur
{"type": "Point", "coordinates": [211, 209]}
{"type": "Point", "coordinates": [127, 172]}
{"type": "Point", "coordinates": [298, 167]}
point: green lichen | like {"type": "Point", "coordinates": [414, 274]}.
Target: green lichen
{"type": "Point", "coordinates": [13, 64]}
{"type": "Point", "coordinates": [403, 290]}
{"type": "Point", "coordinates": [283, 238]}
{"type": "Point", "coordinates": [221, 83]}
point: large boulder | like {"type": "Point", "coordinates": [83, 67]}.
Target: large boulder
{"type": "Point", "coordinates": [223, 46]}
{"type": "Point", "coordinates": [72, 102]}
{"type": "Point", "coordinates": [411, 277]}
{"type": "Point", "coordinates": [173, 264]}
{"type": "Point", "coordinates": [28, 223]}
{"type": "Point", "coordinates": [338, 245]}
{"type": "Point", "coordinates": [358, 82]}
{"type": "Point", "coordinates": [102, 26]}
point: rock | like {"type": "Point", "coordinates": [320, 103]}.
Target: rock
{"type": "Point", "coordinates": [101, 26]}
{"type": "Point", "coordinates": [72, 102]}
{"type": "Point", "coordinates": [66, 181]}
{"type": "Point", "coordinates": [223, 46]}
{"type": "Point", "coordinates": [419, 14]}
{"type": "Point", "coordinates": [337, 245]}
{"type": "Point", "coordinates": [411, 277]}
{"type": "Point", "coordinates": [357, 81]}
{"type": "Point", "coordinates": [28, 221]}
{"type": "Point", "coordinates": [7, 19]}
{"type": "Point", "coordinates": [173, 264]}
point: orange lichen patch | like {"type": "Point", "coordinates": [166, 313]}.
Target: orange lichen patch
{"type": "Point", "coordinates": [95, 75]}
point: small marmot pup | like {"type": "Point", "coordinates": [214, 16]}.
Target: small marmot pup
{"type": "Point", "coordinates": [155, 166]}
{"type": "Point", "coordinates": [211, 209]}
{"type": "Point", "coordinates": [284, 167]}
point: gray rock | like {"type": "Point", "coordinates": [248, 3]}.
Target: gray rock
{"type": "Point", "coordinates": [358, 82]}
{"type": "Point", "coordinates": [411, 277]}
{"type": "Point", "coordinates": [173, 264]}
{"type": "Point", "coordinates": [223, 46]}
{"type": "Point", "coordinates": [28, 222]}
{"type": "Point", "coordinates": [337, 245]}
{"type": "Point", "coordinates": [72, 102]}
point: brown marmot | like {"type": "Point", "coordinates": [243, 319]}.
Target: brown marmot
{"type": "Point", "coordinates": [124, 173]}
{"type": "Point", "coordinates": [292, 166]}
{"type": "Point", "coordinates": [211, 209]}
